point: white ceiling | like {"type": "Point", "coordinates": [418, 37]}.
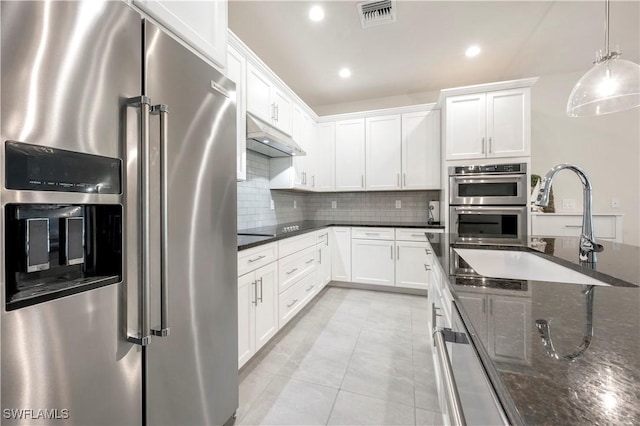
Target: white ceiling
{"type": "Point", "coordinates": [424, 49]}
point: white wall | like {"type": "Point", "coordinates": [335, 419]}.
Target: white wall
{"type": "Point", "coordinates": [606, 147]}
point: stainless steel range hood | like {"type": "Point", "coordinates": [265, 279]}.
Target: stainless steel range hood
{"type": "Point", "coordinates": [266, 139]}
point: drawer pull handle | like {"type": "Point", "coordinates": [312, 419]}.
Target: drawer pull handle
{"type": "Point", "coordinates": [573, 226]}
{"type": "Point", "coordinates": [257, 258]}
{"type": "Point", "coordinates": [292, 303]}
{"type": "Point", "coordinates": [427, 267]}
{"type": "Point", "coordinates": [310, 260]}
{"type": "Point", "coordinates": [310, 288]}
{"type": "Point", "coordinates": [427, 251]}
{"type": "Point", "coordinates": [292, 271]}
{"type": "Point", "coordinates": [417, 235]}
{"type": "Point", "coordinates": [372, 233]}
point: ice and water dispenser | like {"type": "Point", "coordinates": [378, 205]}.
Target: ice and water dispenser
{"type": "Point", "coordinates": [54, 248]}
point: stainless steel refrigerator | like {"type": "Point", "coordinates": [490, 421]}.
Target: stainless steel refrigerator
{"type": "Point", "coordinates": [117, 222]}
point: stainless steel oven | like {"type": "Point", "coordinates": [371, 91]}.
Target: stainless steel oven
{"type": "Point", "coordinates": [488, 203]}
{"type": "Point", "coordinates": [499, 184]}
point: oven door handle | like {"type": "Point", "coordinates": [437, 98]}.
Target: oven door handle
{"type": "Point", "coordinates": [488, 178]}
{"type": "Point", "coordinates": [488, 209]}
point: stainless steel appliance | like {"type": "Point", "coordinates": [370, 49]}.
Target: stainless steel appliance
{"type": "Point", "coordinates": [488, 203]}
{"type": "Point", "coordinates": [119, 291]}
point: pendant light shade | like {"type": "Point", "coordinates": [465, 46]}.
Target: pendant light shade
{"type": "Point", "coordinates": [612, 85]}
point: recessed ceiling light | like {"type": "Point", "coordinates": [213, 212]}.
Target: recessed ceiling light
{"type": "Point", "coordinates": [473, 51]}
{"type": "Point", "coordinates": [316, 13]}
{"type": "Point", "coordinates": [345, 73]}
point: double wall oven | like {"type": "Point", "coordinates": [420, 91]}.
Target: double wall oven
{"type": "Point", "coordinates": [488, 203]}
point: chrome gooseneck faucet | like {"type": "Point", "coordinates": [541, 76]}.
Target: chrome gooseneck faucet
{"type": "Point", "coordinates": [588, 246]}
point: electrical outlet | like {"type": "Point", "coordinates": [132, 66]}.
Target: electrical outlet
{"type": "Point", "coordinates": [398, 204]}
{"type": "Point", "coordinates": [334, 204]}
{"type": "Point", "coordinates": [295, 204]}
{"type": "Point", "coordinates": [273, 205]}
{"type": "Point", "coordinates": [569, 203]}
{"type": "Point", "coordinates": [615, 203]}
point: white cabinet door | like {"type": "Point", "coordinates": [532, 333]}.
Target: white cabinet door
{"type": "Point", "coordinates": [324, 269]}
{"type": "Point", "coordinates": [201, 24]}
{"type": "Point", "coordinates": [421, 150]}
{"type": "Point", "coordinates": [237, 71]}
{"type": "Point", "coordinates": [340, 242]}
{"type": "Point", "coordinates": [465, 126]}
{"type": "Point", "coordinates": [411, 260]}
{"type": "Point", "coordinates": [383, 142]}
{"type": "Point", "coordinates": [266, 316]}
{"type": "Point", "coordinates": [259, 94]}
{"type": "Point", "coordinates": [508, 123]}
{"type": "Point", "coordinates": [325, 148]}
{"type": "Point", "coordinates": [509, 333]}
{"type": "Point", "coordinates": [298, 133]}
{"type": "Point", "coordinates": [350, 155]}
{"type": "Point", "coordinates": [246, 318]}
{"type": "Point", "coordinates": [282, 111]}
{"type": "Point", "coordinates": [476, 306]}
{"type": "Point", "coordinates": [372, 262]}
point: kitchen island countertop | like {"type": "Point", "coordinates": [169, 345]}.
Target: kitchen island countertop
{"type": "Point", "coordinates": [602, 386]}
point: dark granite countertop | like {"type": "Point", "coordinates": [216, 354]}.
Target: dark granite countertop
{"type": "Point", "coordinates": [602, 386]}
{"type": "Point", "coordinates": [268, 234]}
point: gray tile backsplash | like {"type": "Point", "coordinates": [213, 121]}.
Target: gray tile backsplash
{"type": "Point", "coordinates": [254, 202]}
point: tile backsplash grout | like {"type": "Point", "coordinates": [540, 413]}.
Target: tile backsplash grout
{"type": "Point", "coordinates": [254, 202]}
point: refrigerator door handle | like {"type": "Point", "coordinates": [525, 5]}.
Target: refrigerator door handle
{"type": "Point", "coordinates": [164, 331]}
{"type": "Point", "coordinates": [144, 338]}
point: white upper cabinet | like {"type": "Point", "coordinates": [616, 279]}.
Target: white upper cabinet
{"type": "Point", "coordinates": [383, 162]}
{"type": "Point", "coordinates": [325, 161]}
{"type": "Point", "coordinates": [421, 150]}
{"type": "Point", "coordinates": [265, 101]}
{"type": "Point", "coordinates": [488, 125]}
{"type": "Point", "coordinates": [350, 155]}
{"type": "Point", "coordinates": [237, 71]}
{"type": "Point", "coordinates": [201, 24]}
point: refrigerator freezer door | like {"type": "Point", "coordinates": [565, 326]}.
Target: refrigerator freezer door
{"type": "Point", "coordinates": [192, 374]}
{"type": "Point", "coordinates": [67, 69]}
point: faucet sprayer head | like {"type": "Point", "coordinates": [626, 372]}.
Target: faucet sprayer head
{"type": "Point", "coordinates": [542, 199]}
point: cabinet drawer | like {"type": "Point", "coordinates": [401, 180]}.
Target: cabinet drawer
{"type": "Point", "coordinates": [571, 225]}
{"type": "Point", "coordinates": [294, 299]}
{"type": "Point", "coordinates": [254, 258]}
{"type": "Point", "coordinates": [294, 244]}
{"type": "Point", "coordinates": [291, 268]}
{"type": "Point", "coordinates": [373, 233]}
{"type": "Point", "coordinates": [322, 237]}
{"type": "Point", "coordinates": [411, 234]}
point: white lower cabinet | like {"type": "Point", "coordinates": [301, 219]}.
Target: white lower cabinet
{"type": "Point", "coordinates": [373, 262]}
{"type": "Point", "coordinates": [340, 242]}
{"type": "Point", "coordinates": [324, 258]}
{"type": "Point", "coordinates": [411, 264]}
{"type": "Point", "coordinates": [502, 324]}
{"type": "Point", "coordinates": [257, 310]}
{"type": "Point", "coordinates": [296, 297]}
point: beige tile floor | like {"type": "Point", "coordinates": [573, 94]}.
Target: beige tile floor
{"type": "Point", "coordinates": [351, 357]}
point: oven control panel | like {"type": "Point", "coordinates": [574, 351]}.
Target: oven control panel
{"type": "Point", "coordinates": [492, 168]}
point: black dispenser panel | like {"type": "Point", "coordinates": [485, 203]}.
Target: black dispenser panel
{"type": "Point", "coordinates": [56, 250]}
{"type": "Point", "coordinates": [36, 244]}
{"type": "Point", "coordinates": [40, 168]}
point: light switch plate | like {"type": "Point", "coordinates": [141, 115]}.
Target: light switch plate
{"type": "Point", "coordinates": [295, 204]}
{"type": "Point", "coordinates": [273, 205]}
{"type": "Point", "coordinates": [398, 204]}
{"type": "Point", "coordinates": [334, 204]}
{"type": "Point", "coordinates": [569, 203]}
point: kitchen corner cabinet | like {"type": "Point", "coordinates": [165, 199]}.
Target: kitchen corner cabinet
{"type": "Point", "coordinates": [340, 242]}
{"type": "Point", "coordinates": [488, 125]}
{"type": "Point", "coordinates": [502, 324]}
{"type": "Point", "coordinates": [201, 24]}
{"type": "Point", "coordinates": [383, 156]}
{"type": "Point", "coordinates": [257, 310]}
{"type": "Point", "coordinates": [266, 102]}
{"type": "Point", "coordinates": [325, 151]}
{"type": "Point", "coordinates": [350, 155]}
{"type": "Point", "coordinates": [421, 150]}
{"type": "Point", "coordinates": [237, 71]}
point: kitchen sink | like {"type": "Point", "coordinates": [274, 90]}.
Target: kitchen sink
{"type": "Point", "coordinates": [521, 265]}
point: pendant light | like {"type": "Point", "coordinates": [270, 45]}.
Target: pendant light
{"type": "Point", "coordinates": [612, 85]}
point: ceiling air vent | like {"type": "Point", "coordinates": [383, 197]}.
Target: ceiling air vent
{"type": "Point", "coordinates": [377, 12]}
